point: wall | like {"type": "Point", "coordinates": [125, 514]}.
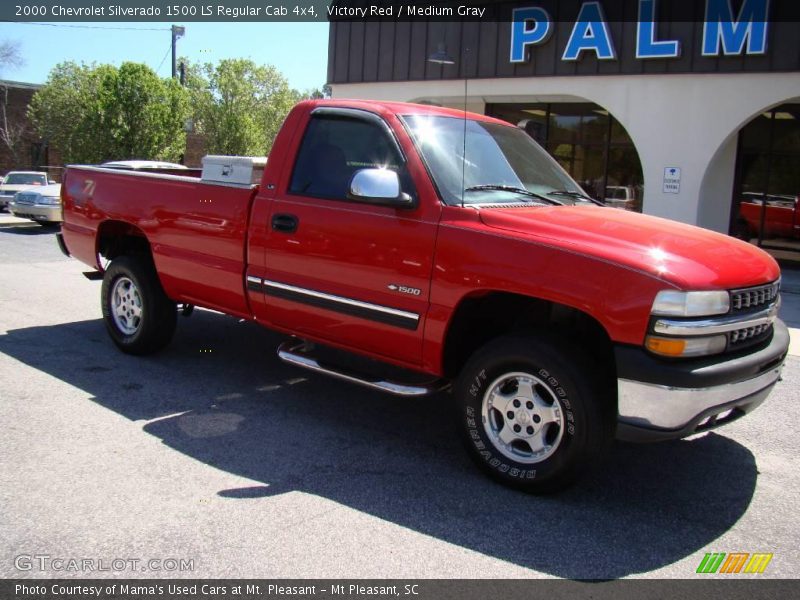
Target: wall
{"type": "Point", "coordinates": [373, 51]}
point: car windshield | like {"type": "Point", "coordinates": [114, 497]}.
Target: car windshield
{"type": "Point", "coordinates": [25, 179]}
{"type": "Point", "coordinates": [495, 164]}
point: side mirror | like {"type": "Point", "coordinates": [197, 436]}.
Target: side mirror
{"type": "Point", "coordinates": [378, 186]}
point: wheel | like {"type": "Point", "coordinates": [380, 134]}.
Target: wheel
{"type": "Point", "coordinates": [138, 315]}
{"type": "Point", "coordinates": [532, 413]}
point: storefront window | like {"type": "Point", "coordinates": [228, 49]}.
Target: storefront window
{"type": "Point", "coordinates": [590, 144]}
{"type": "Point", "coordinates": [767, 190]}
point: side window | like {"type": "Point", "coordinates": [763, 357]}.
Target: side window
{"type": "Point", "coordinates": [333, 149]}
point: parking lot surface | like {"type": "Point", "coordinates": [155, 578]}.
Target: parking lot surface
{"type": "Point", "coordinates": [215, 453]}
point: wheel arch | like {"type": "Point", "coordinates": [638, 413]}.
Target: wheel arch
{"type": "Point", "coordinates": [116, 238]}
{"type": "Point", "coordinates": [484, 315]}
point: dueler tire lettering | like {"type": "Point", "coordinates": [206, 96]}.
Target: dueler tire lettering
{"type": "Point", "coordinates": [531, 412]}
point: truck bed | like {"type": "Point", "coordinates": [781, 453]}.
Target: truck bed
{"type": "Point", "coordinates": [197, 230]}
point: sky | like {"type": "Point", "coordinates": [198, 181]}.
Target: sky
{"type": "Point", "coordinates": [298, 50]}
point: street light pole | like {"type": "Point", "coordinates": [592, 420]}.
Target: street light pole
{"type": "Point", "coordinates": [177, 32]}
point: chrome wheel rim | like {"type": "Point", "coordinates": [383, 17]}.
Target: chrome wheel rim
{"type": "Point", "coordinates": [522, 417]}
{"type": "Point", "coordinates": [126, 306]}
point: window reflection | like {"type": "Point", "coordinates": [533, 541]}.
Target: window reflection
{"type": "Point", "coordinates": [767, 189]}
{"type": "Point", "coordinates": [589, 143]}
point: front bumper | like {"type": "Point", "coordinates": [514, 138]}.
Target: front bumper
{"type": "Point", "coordinates": [38, 212]}
{"type": "Point", "coordinates": [662, 400]}
{"type": "Point", "coordinates": [5, 201]}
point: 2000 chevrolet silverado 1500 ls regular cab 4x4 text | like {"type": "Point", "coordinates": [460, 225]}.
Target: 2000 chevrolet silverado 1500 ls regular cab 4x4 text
{"type": "Point", "coordinates": [450, 245]}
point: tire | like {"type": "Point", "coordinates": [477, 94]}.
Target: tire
{"type": "Point", "coordinates": [532, 413]}
{"type": "Point", "coordinates": [139, 316]}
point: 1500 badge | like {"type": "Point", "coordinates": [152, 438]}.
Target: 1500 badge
{"type": "Point", "coordinates": [404, 289]}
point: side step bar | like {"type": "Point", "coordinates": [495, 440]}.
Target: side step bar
{"type": "Point", "coordinates": [299, 354]}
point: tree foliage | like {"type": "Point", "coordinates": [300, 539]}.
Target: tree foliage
{"type": "Point", "coordinates": [96, 113]}
{"type": "Point", "coordinates": [320, 93]}
{"type": "Point", "coordinates": [239, 105]}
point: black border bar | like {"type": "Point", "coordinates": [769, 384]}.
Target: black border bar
{"type": "Point", "coordinates": [731, 587]}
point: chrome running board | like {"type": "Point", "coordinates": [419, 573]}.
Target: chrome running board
{"type": "Point", "coordinates": [299, 354]}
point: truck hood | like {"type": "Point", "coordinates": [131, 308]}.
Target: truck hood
{"type": "Point", "coordinates": [687, 256]}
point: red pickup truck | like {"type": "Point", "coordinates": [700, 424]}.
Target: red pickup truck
{"type": "Point", "coordinates": [446, 248]}
{"type": "Point", "coordinates": [781, 216]}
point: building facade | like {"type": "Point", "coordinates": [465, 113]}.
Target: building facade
{"type": "Point", "coordinates": [20, 147]}
{"type": "Point", "coordinates": [693, 120]}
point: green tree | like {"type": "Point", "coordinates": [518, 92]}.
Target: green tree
{"type": "Point", "coordinates": [60, 109]}
{"type": "Point", "coordinates": [96, 113]}
{"type": "Point", "coordinates": [144, 116]}
{"type": "Point", "coordinates": [320, 93]}
{"type": "Point", "coordinates": [239, 105]}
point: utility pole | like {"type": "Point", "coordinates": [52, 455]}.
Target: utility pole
{"type": "Point", "coordinates": [177, 32]}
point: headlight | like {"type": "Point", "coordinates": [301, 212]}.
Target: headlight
{"type": "Point", "coordinates": [53, 200]}
{"type": "Point", "coordinates": [672, 303]}
{"type": "Point", "coordinates": [685, 347]}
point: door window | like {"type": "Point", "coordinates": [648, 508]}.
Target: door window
{"type": "Point", "coordinates": [334, 149]}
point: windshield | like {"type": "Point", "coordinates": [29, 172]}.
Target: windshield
{"type": "Point", "coordinates": [494, 160]}
{"type": "Point", "coordinates": [25, 179]}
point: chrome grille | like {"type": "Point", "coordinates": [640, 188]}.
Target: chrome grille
{"type": "Point", "coordinates": [749, 333]}
{"type": "Point", "coordinates": [26, 198]}
{"type": "Point", "coordinates": [754, 298]}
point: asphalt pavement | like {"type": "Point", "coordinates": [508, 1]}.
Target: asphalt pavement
{"type": "Point", "coordinates": [214, 459]}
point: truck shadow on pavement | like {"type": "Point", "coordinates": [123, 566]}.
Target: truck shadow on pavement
{"type": "Point", "coordinates": [219, 395]}
{"type": "Point", "coordinates": [29, 228]}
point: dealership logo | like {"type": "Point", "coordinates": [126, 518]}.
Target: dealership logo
{"type": "Point", "coordinates": [734, 562]}
{"type": "Point", "coordinates": [724, 33]}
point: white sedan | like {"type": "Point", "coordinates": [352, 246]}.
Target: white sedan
{"type": "Point", "coordinates": [42, 204]}
{"type": "Point", "coordinates": [16, 181]}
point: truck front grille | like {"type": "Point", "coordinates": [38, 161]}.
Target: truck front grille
{"type": "Point", "coordinates": [754, 298]}
{"type": "Point", "coordinates": [750, 334]}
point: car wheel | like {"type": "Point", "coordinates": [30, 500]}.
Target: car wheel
{"type": "Point", "coordinates": [138, 314]}
{"type": "Point", "coordinates": [532, 414]}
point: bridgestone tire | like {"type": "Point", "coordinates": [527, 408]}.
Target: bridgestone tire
{"type": "Point", "coordinates": [508, 436]}
{"type": "Point", "coordinates": [139, 316]}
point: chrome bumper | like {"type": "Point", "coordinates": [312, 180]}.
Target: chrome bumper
{"type": "Point", "coordinates": [671, 408]}
{"type": "Point", "coordinates": [37, 212]}
{"type": "Point", "coordinates": [662, 400]}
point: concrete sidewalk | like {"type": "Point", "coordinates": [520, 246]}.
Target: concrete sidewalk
{"type": "Point", "coordinates": [790, 307]}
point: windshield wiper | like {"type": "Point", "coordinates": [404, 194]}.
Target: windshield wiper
{"type": "Point", "coordinates": [510, 188]}
{"type": "Point", "coordinates": [573, 194]}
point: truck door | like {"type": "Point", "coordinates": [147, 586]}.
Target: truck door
{"type": "Point", "coordinates": [350, 273]}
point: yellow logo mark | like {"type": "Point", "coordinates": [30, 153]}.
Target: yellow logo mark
{"type": "Point", "coordinates": [758, 563]}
